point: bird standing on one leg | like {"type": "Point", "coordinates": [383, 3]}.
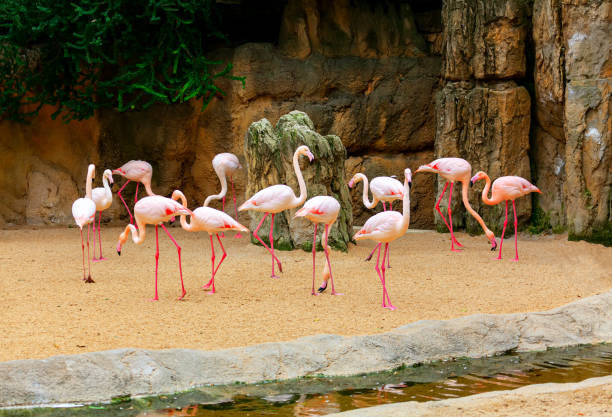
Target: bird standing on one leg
{"type": "Point", "coordinates": [208, 219]}
{"type": "Point", "coordinates": [321, 209]}
{"type": "Point", "coordinates": [103, 197]}
{"type": "Point", "coordinates": [504, 189]}
{"type": "Point", "coordinates": [456, 169]}
{"type": "Point", "coordinates": [139, 171]}
{"type": "Point", "coordinates": [155, 210]}
{"type": "Point", "coordinates": [225, 165]}
{"type": "Point", "coordinates": [276, 198]}
{"type": "Point", "coordinates": [385, 189]}
{"type": "Point", "coordinates": [84, 213]}
{"type": "Point", "coordinates": [384, 228]}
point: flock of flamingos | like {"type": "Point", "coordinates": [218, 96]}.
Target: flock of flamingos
{"type": "Point", "coordinates": [383, 227]}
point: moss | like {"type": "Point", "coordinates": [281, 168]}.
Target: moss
{"type": "Point", "coordinates": [540, 221]}
{"type": "Point", "coordinates": [601, 235]}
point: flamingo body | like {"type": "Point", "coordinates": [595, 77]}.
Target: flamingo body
{"type": "Point", "coordinates": [456, 169]}
{"type": "Point", "coordinates": [155, 210]}
{"type": "Point", "coordinates": [139, 171]}
{"type": "Point", "coordinates": [276, 198]}
{"type": "Point", "coordinates": [225, 165]}
{"type": "Point", "coordinates": [385, 227]}
{"type": "Point", "coordinates": [506, 189]}
{"type": "Point", "coordinates": [321, 209]}
{"type": "Point", "coordinates": [84, 213]}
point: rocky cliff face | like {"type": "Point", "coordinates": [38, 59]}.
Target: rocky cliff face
{"type": "Point", "coordinates": [515, 87]}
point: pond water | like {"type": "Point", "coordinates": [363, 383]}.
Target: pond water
{"type": "Point", "coordinates": [319, 396]}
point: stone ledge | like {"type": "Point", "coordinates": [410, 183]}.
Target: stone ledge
{"type": "Point", "coordinates": [99, 376]}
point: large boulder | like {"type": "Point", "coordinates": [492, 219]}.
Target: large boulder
{"type": "Point", "coordinates": [487, 125]}
{"type": "Point", "coordinates": [269, 157]}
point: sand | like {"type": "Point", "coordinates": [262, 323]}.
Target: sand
{"type": "Point", "coordinates": [47, 310]}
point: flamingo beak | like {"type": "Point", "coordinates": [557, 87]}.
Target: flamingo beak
{"type": "Point", "coordinates": [409, 185]}
{"type": "Point", "coordinates": [351, 183]}
{"type": "Point", "coordinates": [310, 155]}
{"type": "Point", "coordinates": [471, 183]}
{"type": "Point", "coordinates": [494, 245]}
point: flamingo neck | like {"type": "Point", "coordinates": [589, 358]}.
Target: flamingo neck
{"type": "Point", "coordinates": [490, 201]}
{"type": "Point", "coordinates": [468, 207]}
{"type": "Point", "coordinates": [298, 173]}
{"type": "Point", "coordinates": [90, 174]}
{"type": "Point", "coordinates": [406, 207]}
{"type": "Point", "coordinates": [138, 235]}
{"type": "Point", "coordinates": [219, 196]}
{"type": "Point", "coordinates": [148, 188]}
{"type": "Point", "coordinates": [184, 224]}
{"type": "Point", "coordinates": [107, 190]}
{"type": "Point", "coordinates": [366, 186]}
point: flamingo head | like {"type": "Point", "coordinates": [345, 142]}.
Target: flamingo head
{"type": "Point", "coordinates": [356, 178]}
{"type": "Point", "coordinates": [427, 168]}
{"type": "Point", "coordinates": [304, 150]}
{"type": "Point", "coordinates": [479, 176]}
{"type": "Point", "coordinates": [492, 239]}
{"type": "Point", "coordinates": [108, 174]}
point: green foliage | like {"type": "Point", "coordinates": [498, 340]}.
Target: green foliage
{"type": "Point", "coordinates": [88, 54]}
{"type": "Point", "coordinates": [540, 221]}
{"type": "Point", "coordinates": [601, 234]}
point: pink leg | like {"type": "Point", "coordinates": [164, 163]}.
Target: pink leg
{"type": "Point", "coordinates": [515, 232]}
{"type": "Point", "coordinates": [326, 250]}
{"type": "Point", "coordinates": [101, 258]}
{"type": "Point", "coordinates": [372, 253]}
{"type": "Point", "coordinates": [178, 250]}
{"type": "Point", "coordinates": [314, 249]}
{"type": "Point", "coordinates": [212, 267]}
{"type": "Point", "coordinates": [237, 235]}
{"type": "Point", "coordinates": [136, 195]}
{"type": "Point", "coordinates": [83, 252]}
{"type": "Point", "coordinates": [94, 240]}
{"type": "Point", "coordinates": [450, 219]}
{"type": "Point", "coordinates": [377, 268]}
{"type": "Point", "coordinates": [89, 279]}
{"type": "Point", "coordinates": [124, 203]}
{"type": "Point", "coordinates": [501, 242]}
{"type": "Point", "coordinates": [384, 275]}
{"type": "Point", "coordinates": [156, 262]}
{"type": "Point", "coordinates": [272, 246]}
{"type": "Point", "coordinates": [280, 268]}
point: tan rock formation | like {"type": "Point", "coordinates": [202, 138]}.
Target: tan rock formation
{"type": "Point", "coordinates": [487, 125]}
{"type": "Point", "coordinates": [269, 154]}
{"type": "Point", "coordinates": [484, 39]}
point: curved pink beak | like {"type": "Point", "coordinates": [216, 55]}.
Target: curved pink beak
{"type": "Point", "coordinates": [310, 155]}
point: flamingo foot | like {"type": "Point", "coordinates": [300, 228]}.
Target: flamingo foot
{"type": "Point", "coordinates": [515, 260]}
{"type": "Point", "coordinates": [390, 307]}
{"type": "Point", "coordinates": [206, 286]}
{"type": "Point", "coordinates": [337, 293]}
{"type": "Point", "coordinates": [275, 276]}
{"type": "Point", "coordinates": [457, 243]}
{"type": "Point", "coordinates": [154, 299]}
{"type": "Point", "coordinates": [182, 296]}
{"type": "Point", "coordinates": [314, 293]}
{"type": "Point", "coordinates": [89, 280]}
{"type": "Point", "coordinates": [238, 235]}
{"type": "Point", "coordinates": [99, 259]}
{"type": "Point", "coordinates": [456, 250]}
{"type": "Point", "coordinates": [498, 258]}
{"type": "Point", "coordinates": [221, 234]}
{"type": "Point", "coordinates": [211, 292]}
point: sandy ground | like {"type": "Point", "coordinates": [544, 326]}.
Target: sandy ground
{"type": "Point", "coordinates": [47, 310]}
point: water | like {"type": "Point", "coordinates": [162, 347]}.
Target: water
{"type": "Point", "coordinates": [319, 396]}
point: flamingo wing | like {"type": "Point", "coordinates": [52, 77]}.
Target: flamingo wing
{"type": "Point", "coordinates": [271, 199]}
{"type": "Point", "coordinates": [83, 211]}
{"type": "Point", "coordinates": [380, 227]}
{"type": "Point", "coordinates": [387, 188]}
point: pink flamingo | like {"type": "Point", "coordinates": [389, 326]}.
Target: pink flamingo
{"type": "Point", "coordinates": [155, 210]}
{"type": "Point", "coordinates": [383, 189]}
{"type": "Point", "coordinates": [208, 219]}
{"type": "Point", "coordinates": [139, 171]}
{"type": "Point", "coordinates": [504, 189]}
{"type": "Point", "coordinates": [276, 198]}
{"type": "Point", "coordinates": [225, 165]}
{"type": "Point", "coordinates": [103, 197]}
{"type": "Point", "coordinates": [385, 227]}
{"type": "Point", "coordinates": [456, 169]}
{"type": "Point", "coordinates": [84, 213]}
{"type": "Point", "coordinates": [321, 209]}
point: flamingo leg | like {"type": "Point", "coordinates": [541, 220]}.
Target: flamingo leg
{"type": "Point", "coordinates": [515, 232]}
{"type": "Point", "coordinates": [89, 279]}
{"type": "Point", "coordinates": [136, 195]}
{"type": "Point", "coordinates": [384, 207]}
{"type": "Point", "coordinates": [272, 247]}
{"type": "Point", "coordinates": [83, 252]}
{"type": "Point", "coordinates": [326, 250]}
{"type": "Point", "coordinates": [384, 274]}
{"type": "Point", "coordinates": [101, 258]}
{"type": "Point", "coordinates": [501, 242]}
{"type": "Point", "coordinates": [94, 241]}
{"type": "Point", "coordinates": [264, 244]}
{"type": "Point", "coordinates": [212, 267]}
{"type": "Point", "coordinates": [178, 250]}
{"type": "Point", "coordinates": [314, 249]}
{"type": "Point", "coordinates": [450, 219]}
{"type": "Point", "coordinates": [156, 262]}
{"type": "Point", "coordinates": [124, 203]}
{"type": "Point", "coordinates": [237, 235]}
{"type": "Point", "coordinates": [372, 253]}
{"type": "Point", "coordinates": [377, 268]}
